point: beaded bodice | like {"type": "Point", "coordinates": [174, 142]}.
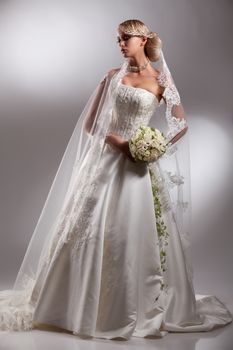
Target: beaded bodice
{"type": "Point", "coordinates": [133, 108]}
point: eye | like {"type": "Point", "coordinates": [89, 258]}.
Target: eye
{"type": "Point", "coordinates": [124, 38]}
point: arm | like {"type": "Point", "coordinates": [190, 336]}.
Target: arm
{"type": "Point", "coordinates": [179, 135]}
{"type": "Point", "coordinates": [89, 119]}
{"type": "Point", "coordinates": [177, 123]}
{"type": "Point", "coordinates": [96, 103]}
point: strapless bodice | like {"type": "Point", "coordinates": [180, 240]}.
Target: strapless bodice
{"type": "Point", "coordinates": [133, 107]}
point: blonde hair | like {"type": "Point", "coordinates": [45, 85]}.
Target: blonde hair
{"type": "Point", "coordinates": [153, 45]}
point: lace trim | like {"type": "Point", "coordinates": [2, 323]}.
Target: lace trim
{"type": "Point", "coordinates": [74, 223]}
{"type": "Point", "coordinates": [176, 125]}
{"type": "Point", "coordinates": [170, 92]}
{"type": "Point", "coordinates": [172, 98]}
{"type": "Point", "coordinates": [16, 311]}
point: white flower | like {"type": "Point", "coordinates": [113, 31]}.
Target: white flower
{"type": "Point", "coordinates": [147, 144]}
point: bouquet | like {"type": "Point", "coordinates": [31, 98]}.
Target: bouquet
{"type": "Point", "coordinates": [147, 144]}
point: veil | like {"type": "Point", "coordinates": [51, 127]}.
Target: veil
{"type": "Point", "coordinates": [67, 211]}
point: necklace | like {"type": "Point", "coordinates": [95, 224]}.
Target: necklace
{"type": "Point", "coordinates": [137, 68]}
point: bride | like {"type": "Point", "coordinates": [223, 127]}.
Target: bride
{"type": "Point", "coordinates": [109, 256]}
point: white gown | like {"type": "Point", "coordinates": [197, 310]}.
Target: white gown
{"type": "Point", "coordinates": [107, 286]}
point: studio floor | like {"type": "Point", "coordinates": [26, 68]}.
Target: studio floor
{"type": "Point", "coordinates": [37, 339]}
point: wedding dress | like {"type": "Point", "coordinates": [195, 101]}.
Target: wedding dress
{"type": "Point", "coordinates": [108, 283]}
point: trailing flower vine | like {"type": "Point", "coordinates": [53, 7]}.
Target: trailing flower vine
{"type": "Point", "coordinates": [160, 225]}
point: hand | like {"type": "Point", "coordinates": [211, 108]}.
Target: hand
{"type": "Point", "coordinates": [126, 151]}
{"type": "Point", "coordinates": [114, 139]}
{"type": "Point", "coordinates": [120, 143]}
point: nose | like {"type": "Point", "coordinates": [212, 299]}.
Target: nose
{"type": "Point", "coordinates": [122, 43]}
{"type": "Point", "coordinates": [120, 40]}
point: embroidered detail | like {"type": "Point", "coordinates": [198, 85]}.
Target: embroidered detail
{"type": "Point", "coordinates": [75, 224]}
{"type": "Point", "coordinates": [175, 179]}
{"type": "Point", "coordinates": [133, 108]}
{"type": "Point", "coordinates": [110, 276]}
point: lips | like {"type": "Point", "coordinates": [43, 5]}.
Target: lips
{"type": "Point", "coordinates": [123, 51]}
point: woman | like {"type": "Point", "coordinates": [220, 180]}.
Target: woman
{"type": "Point", "coordinates": [109, 255]}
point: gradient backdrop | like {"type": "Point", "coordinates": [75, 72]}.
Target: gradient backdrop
{"type": "Point", "coordinates": [53, 54]}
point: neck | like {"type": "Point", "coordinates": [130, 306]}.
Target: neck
{"type": "Point", "coordinates": [138, 60]}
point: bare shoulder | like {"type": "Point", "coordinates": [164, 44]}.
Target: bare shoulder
{"type": "Point", "coordinates": [112, 71]}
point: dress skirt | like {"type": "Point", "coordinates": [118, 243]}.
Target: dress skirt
{"type": "Point", "coordinates": [109, 286]}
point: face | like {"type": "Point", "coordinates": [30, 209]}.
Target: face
{"type": "Point", "coordinates": [130, 44]}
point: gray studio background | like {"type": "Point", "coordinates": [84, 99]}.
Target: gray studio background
{"type": "Point", "coordinates": [53, 54]}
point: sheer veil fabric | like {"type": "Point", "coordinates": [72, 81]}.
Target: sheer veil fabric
{"type": "Point", "coordinates": [78, 169]}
